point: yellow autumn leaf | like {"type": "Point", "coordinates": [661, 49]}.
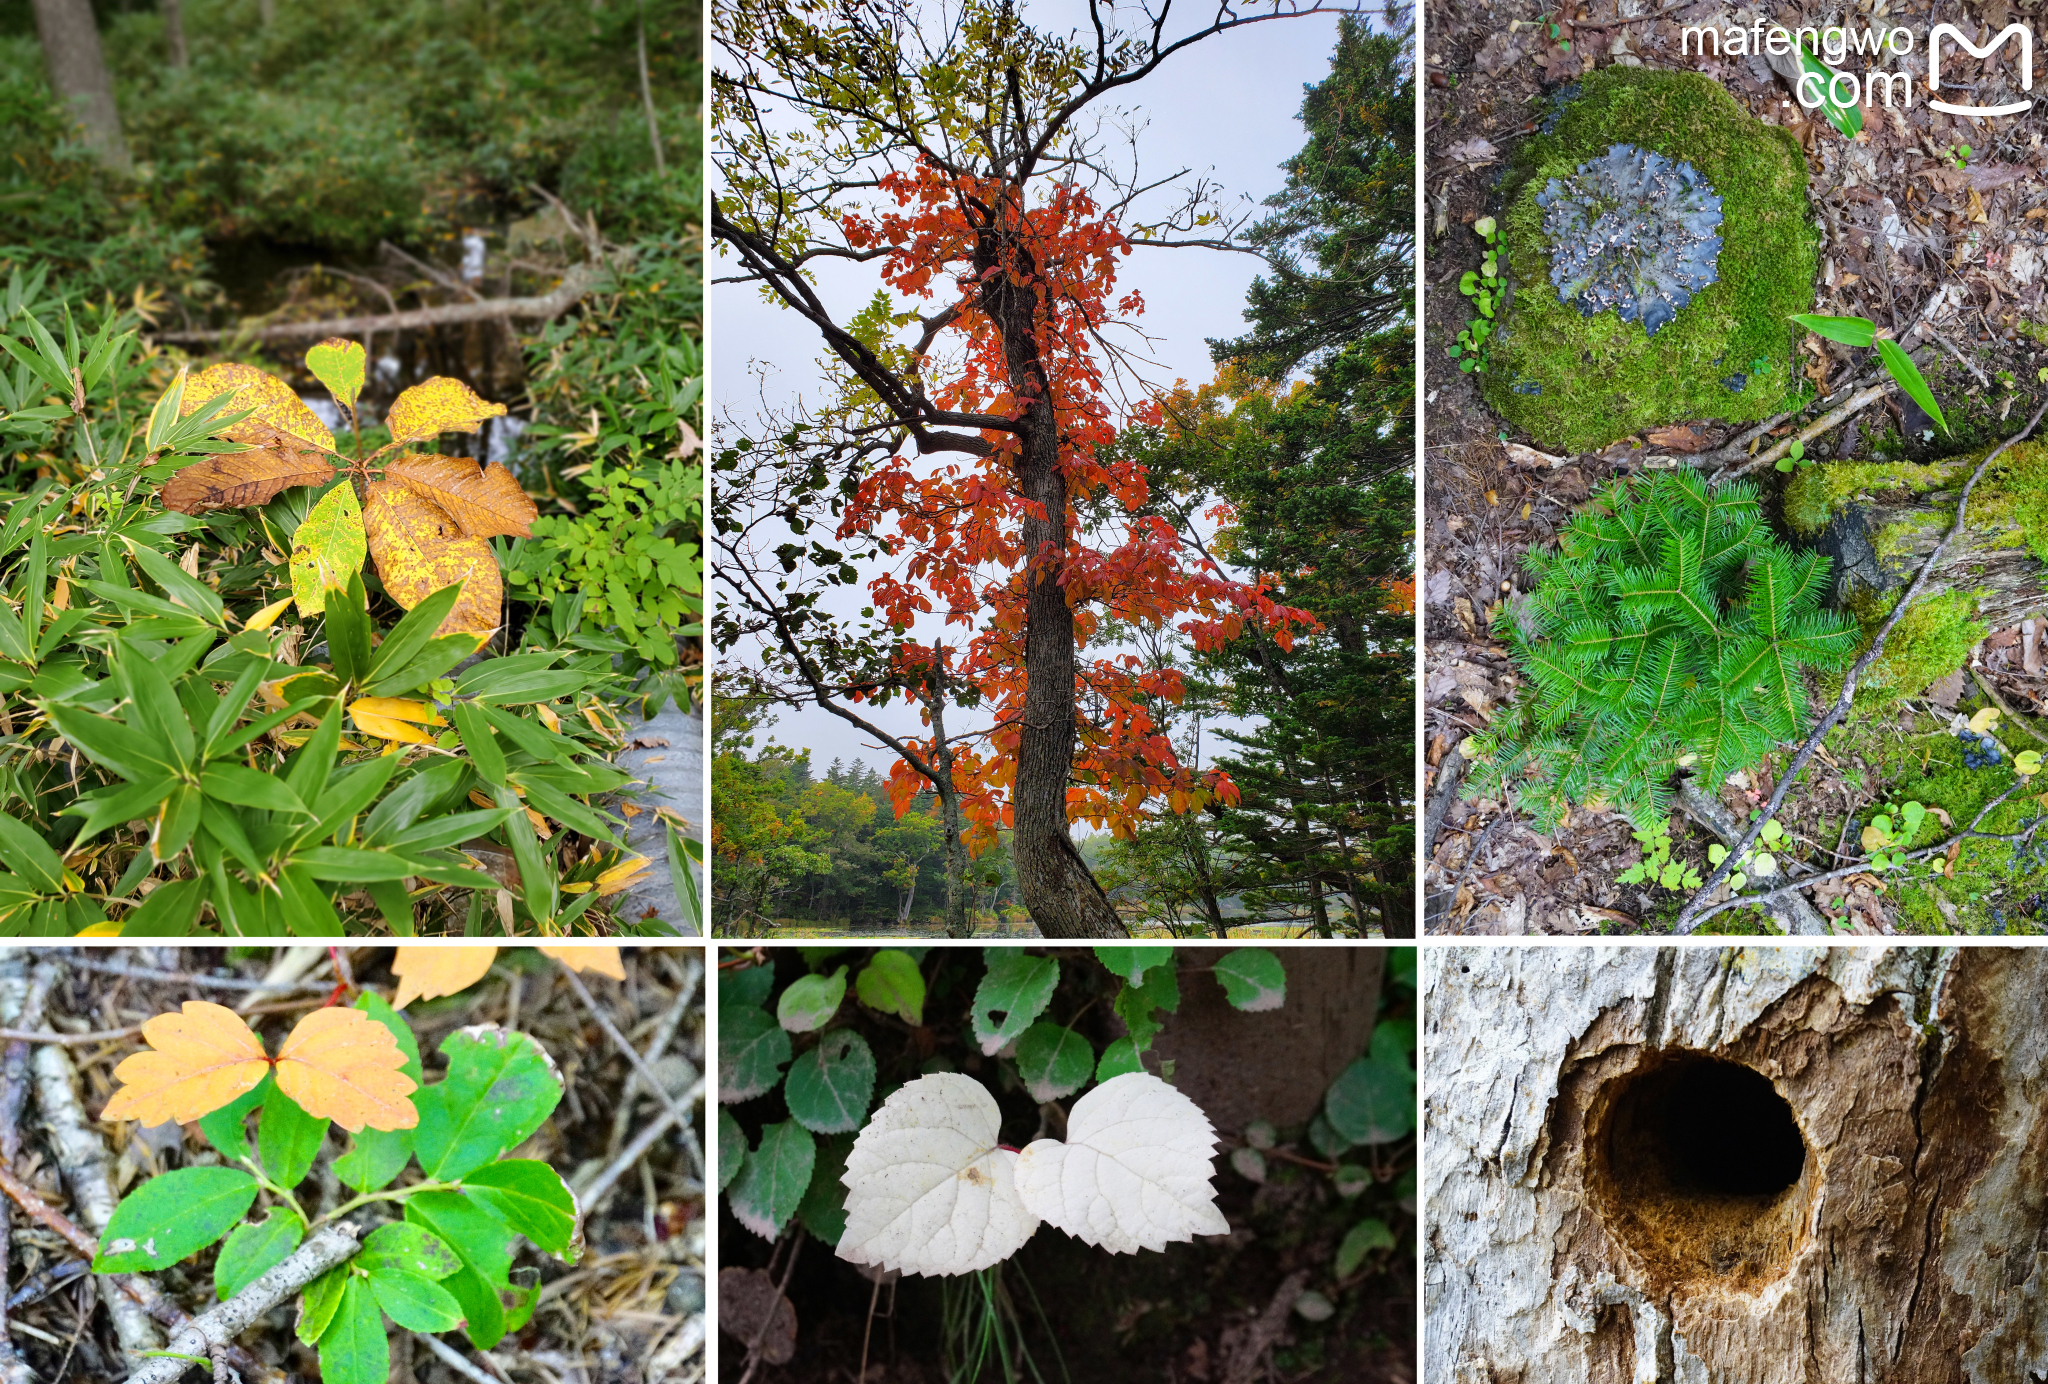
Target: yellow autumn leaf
{"type": "Point", "coordinates": [384, 728]}
{"type": "Point", "coordinates": [276, 403]}
{"type": "Point", "coordinates": [341, 365]}
{"type": "Point", "coordinates": [266, 617]}
{"type": "Point", "coordinates": [419, 548]}
{"type": "Point", "coordinates": [344, 1066]}
{"type": "Point", "coordinates": [102, 930]}
{"type": "Point", "coordinates": [1984, 720]}
{"type": "Point", "coordinates": [623, 875]}
{"type": "Point", "coordinates": [435, 406]}
{"type": "Point", "coordinates": [483, 503]}
{"type": "Point", "coordinates": [427, 973]}
{"type": "Point", "coordinates": [596, 960]}
{"type": "Point", "coordinates": [199, 1059]}
{"type": "Point", "coordinates": [398, 709]}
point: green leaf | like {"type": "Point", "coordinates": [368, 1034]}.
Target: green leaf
{"type": "Point", "coordinates": [891, 983]}
{"type": "Point", "coordinates": [1119, 1057]}
{"type": "Point", "coordinates": [483, 1243]}
{"type": "Point", "coordinates": [354, 1349]}
{"type": "Point", "coordinates": [328, 548]}
{"type": "Point", "coordinates": [772, 1184]}
{"type": "Point", "coordinates": [532, 1198]}
{"type": "Point", "coordinates": [1372, 1101]}
{"type": "Point", "coordinates": [1363, 1239]}
{"type": "Point", "coordinates": [1131, 963]}
{"type": "Point", "coordinates": [172, 1217]}
{"type": "Point", "coordinates": [499, 1089]}
{"type": "Point", "coordinates": [829, 1087]}
{"type": "Point", "coordinates": [225, 1128]}
{"type": "Point", "coordinates": [318, 1303]}
{"type": "Point", "coordinates": [228, 782]}
{"type": "Point", "coordinates": [287, 1140]}
{"type": "Point", "coordinates": [254, 1249]}
{"type": "Point", "coordinates": [745, 987]}
{"type": "Point", "coordinates": [380, 1155]}
{"type": "Point", "coordinates": [415, 1303]}
{"type": "Point", "coordinates": [1053, 1062]}
{"type": "Point", "coordinates": [1135, 1004]}
{"type": "Point", "coordinates": [25, 853]}
{"type": "Point", "coordinates": [823, 1209]}
{"type": "Point", "coordinates": [810, 1002]}
{"type": "Point", "coordinates": [1908, 375]}
{"type": "Point", "coordinates": [413, 633]}
{"type": "Point", "coordinates": [480, 741]}
{"type": "Point", "coordinates": [1848, 120]}
{"type": "Point", "coordinates": [752, 1048]}
{"type": "Point", "coordinates": [732, 1148]}
{"type": "Point", "coordinates": [1013, 992]}
{"type": "Point", "coordinates": [1253, 980]}
{"type": "Point", "coordinates": [404, 1248]}
{"type": "Point", "coordinates": [1850, 331]}
{"type": "Point", "coordinates": [341, 366]}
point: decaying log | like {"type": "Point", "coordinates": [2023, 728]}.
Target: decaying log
{"type": "Point", "coordinates": [1765, 1164]}
{"type": "Point", "coordinates": [575, 285]}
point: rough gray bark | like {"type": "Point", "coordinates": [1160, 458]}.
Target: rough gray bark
{"type": "Point", "coordinates": [214, 1329]}
{"type": "Point", "coordinates": [1909, 1247]}
{"type": "Point", "coordinates": [1794, 913]}
{"type": "Point", "coordinates": [174, 31]}
{"type": "Point", "coordinates": [78, 74]}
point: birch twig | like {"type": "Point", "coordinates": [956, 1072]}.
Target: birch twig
{"type": "Point", "coordinates": [215, 1329]}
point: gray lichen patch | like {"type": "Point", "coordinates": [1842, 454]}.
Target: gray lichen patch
{"type": "Point", "coordinates": [1634, 232]}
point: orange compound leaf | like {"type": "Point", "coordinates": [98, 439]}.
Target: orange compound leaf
{"type": "Point", "coordinates": [342, 1065]}
{"type": "Point", "coordinates": [279, 409]}
{"type": "Point", "coordinates": [436, 406]}
{"type": "Point", "coordinates": [482, 502]}
{"type": "Point", "coordinates": [199, 1060]}
{"type": "Point", "coordinates": [419, 548]}
{"type": "Point", "coordinates": [603, 961]}
{"type": "Point", "coordinates": [236, 479]}
{"type": "Point", "coordinates": [427, 973]}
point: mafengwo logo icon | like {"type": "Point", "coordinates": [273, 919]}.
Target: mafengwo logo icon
{"type": "Point", "coordinates": [1828, 85]}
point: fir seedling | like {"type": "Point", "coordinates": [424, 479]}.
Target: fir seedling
{"type": "Point", "coordinates": [1669, 630]}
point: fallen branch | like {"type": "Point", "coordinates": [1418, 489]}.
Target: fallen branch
{"type": "Point", "coordinates": [575, 285]}
{"type": "Point", "coordinates": [216, 1329]}
{"type": "Point", "coordinates": [1689, 916]}
{"type": "Point", "coordinates": [1795, 914]}
{"type": "Point", "coordinates": [1834, 418]}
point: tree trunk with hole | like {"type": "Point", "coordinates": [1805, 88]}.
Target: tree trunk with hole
{"type": "Point", "coordinates": [1880, 531]}
{"type": "Point", "coordinates": [1761, 1165]}
{"type": "Point", "coordinates": [78, 75]}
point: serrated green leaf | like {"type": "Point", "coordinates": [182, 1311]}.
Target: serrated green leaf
{"type": "Point", "coordinates": [772, 1184]}
{"type": "Point", "coordinates": [810, 1001]}
{"type": "Point", "coordinates": [752, 1049]}
{"type": "Point", "coordinates": [891, 983]}
{"type": "Point", "coordinates": [328, 548]}
{"type": "Point", "coordinates": [1131, 963]}
{"type": "Point", "coordinates": [732, 1148]}
{"type": "Point", "coordinates": [1372, 1101]}
{"type": "Point", "coordinates": [1253, 979]}
{"type": "Point", "coordinates": [1053, 1061]}
{"type": "Point", "coordinates": [499, 1089]}
{"type": "Point", "coordinates": [828, 1088]}
{"type": "Point", "coordinates": [1013, 992]}
{"type": "Point", "coordinates": [254, 1249]}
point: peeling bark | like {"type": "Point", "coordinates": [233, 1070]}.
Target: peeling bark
{"type": "Point", "coordinates": [1601, 1204]}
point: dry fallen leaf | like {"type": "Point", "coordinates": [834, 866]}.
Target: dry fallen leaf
{"type": "Point", "coordinates": [602, 961]}
{"type": "Point", "coordinates": [344, 1066]}
{"type": "Point", "coordinates": [427, 973]}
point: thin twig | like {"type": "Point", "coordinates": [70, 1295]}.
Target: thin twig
{"type": "Point", "coordinates": [83, 961]}
{"type": "Point", "coordinates": [454, 1359]}
{"type": "Point", "coordinates": [1861, 400]}
{"type": "Point", "coordinates": [213, 1330]}
{"type": "Point", "coordinates": [1984, 684]}
{"type": "Point", "coordinates": [632, 1055]}
{"type": "Point", "coordinates": [1689, 917]}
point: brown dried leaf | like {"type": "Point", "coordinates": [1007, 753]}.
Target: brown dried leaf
{"type": "Point", "coordinates": [1682, 438]}
{"type": "Point", "coordinates": [751, 1309]}
{"type": "Point", "coordinates": [435, 406]}
{"type": "Point", "coordinates": [483, 502]}
{"type": "Point", "coordinates": [419, 549]}
{"type": "Point", "coordinates": [236, 479]}
{"type": "Point", "coordinates": [278, 408]}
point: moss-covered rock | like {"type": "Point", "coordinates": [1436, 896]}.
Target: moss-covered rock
{"type": "Point", "coordinates": [1726, 350]}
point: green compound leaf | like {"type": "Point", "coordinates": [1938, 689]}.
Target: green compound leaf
{"type": "Point", "coordinates": [1013, 992]}
{"type": "Point", "coordinates": [1361, 1240]}
{"type": "Point", "coordinates": [1908, 375]}
{"type": "Point", "coordinates": [752, 1049]}
{"type": "Point", "coordinates": [772, 1185]}
{"type": "Point", "coordinates": [254, 1249]}
{"type": "Point", "coordinates": [891, 983]}
{"type": "Point", "coordinates": [403, 1248]}
{"type": "Point", "coordinates": [499, 1089]}
{"type": "Point", "coordinates": [318, 1304]}
{"type": "Point", "coordinates": [1252, 979]}
{"type": "Point", "coordinates": [287, 1140]}
{"type": "Point", "coordinates": [810, 1002]}
{"type": "Point", "coordinates": [483, 1243]}
{"type": "Point", "coordinates": [415, 1302]}
{"type": "Point", "coordinates": [353, 1349]}
{"type": "Point", "coordinates": [380, 1155]}
{"type": "Point", "coordinates": [328, 548]}
{"type": "Point", "coordinates": [341, 366]}
{"type": "Point", "coordinates": [1135, 1004]}
{"type": "Point", "coordinates": [172, 1217]}
{"type": "Point", "coordinates": [1131, 963]}
{"type": "Point", "coordinates": [732, 1148]}
{"type": "Point", "coordinates": [532, 1199]}
{"type": "Point", "coordinates": [829, 1087]}
{"type": "Point", "coordinates": [1054, 1062]}
{"type": "Point", "coordinates": [1372, 1101]}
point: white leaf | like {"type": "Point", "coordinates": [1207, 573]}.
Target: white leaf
{"type": "Point", "coordinates": [1134, 1172]}
{"type": "Point", "coordinates": [927, 1189]}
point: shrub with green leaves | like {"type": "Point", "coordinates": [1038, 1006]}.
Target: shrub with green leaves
{"type": "Point", "coordinates": [437, 1252]}
{"type": "Point", "coordinates": [1669, 630]}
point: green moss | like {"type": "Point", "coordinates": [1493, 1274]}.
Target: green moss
{"type": "Point", "coordinates": [1931, 641]}
{"type": "Point", "coordinates": [2009, 505]}
{"type": "Point", "coordinates": [1601, 378]}
{"type": "Point", "coordinates": [1815, 493]}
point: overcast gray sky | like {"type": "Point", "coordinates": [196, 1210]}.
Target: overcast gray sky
{"type": "Point", "coordinates": [1225, 109]}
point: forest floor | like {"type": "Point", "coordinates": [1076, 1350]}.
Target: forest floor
{"type": "Point", "coordinates": [1910, 237]}
{"type": "Point", "coordinates": [630, 1311]}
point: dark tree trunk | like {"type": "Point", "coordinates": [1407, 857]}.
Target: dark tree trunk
{"type": "Point", "coordinates": [174, 31]}
{"type": "Point", "coordinates": [1059, 891]}
{"type": "Point", "coordinates": [78, 74]}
